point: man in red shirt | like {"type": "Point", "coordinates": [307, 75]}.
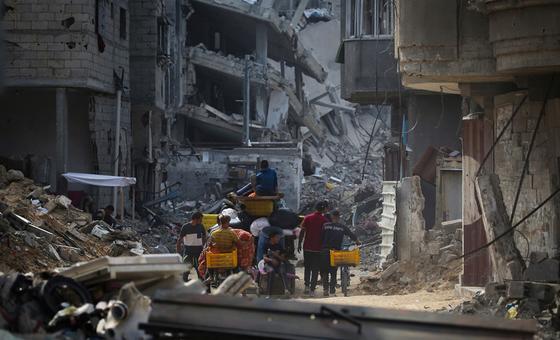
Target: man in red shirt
{"type": "Point", "coordinates": [312, 230]}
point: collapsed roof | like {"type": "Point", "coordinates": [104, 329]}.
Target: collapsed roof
{"type": "Point", "coordinates": [241, 18]}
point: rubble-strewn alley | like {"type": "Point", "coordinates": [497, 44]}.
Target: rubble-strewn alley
{"type": "Point", "coordinates": [362, 169]}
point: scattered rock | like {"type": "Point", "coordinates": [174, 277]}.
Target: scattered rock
{"type": "Point", "coordinates": [392, 269]}
{"type": "Point", "coordinates": [14, 176]}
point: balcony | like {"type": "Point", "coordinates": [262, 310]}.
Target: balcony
{"type": "Point", "coordinates": [369, 72]}
{"type": "Point", "coordinates": [440, 44]}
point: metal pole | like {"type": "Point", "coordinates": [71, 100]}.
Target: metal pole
{"type": "Point", "coordinates": [133, 202]}
{"type": "Point", "coordinates": [150, 157]}
{"type": "Point", "coordinates": [247, 102]}
{"type": "Point", "coordinates": [117, 144]}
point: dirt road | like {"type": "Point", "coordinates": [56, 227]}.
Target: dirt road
{"type": "Point", "coordinates": [422, 301]}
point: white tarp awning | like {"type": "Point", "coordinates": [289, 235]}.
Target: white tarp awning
{"type": "Point", "coordinates": [99, 180]}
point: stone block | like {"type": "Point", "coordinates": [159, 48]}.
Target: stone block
{"type": "Point", "coordinates": [447, 259]}
{"type": "Point", "coordinates": [547, 270]}
{"type": "Point", "coordinates": [538, 256]}
{"type": "Point", "coordinates": [542, 292]}
{"type": "Point", "coordinates": [459, 235]}
{"type": "Point", "coordinates": [515, 290]}
{"type": "Point", "coordinates": [449, 227]}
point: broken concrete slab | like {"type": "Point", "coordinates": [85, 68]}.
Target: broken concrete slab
{"type": "Point", "coordinates": [283, 41]}
{"type": "Point", "coordinates": [450, 227]}
{"type": "Point", "coordinates": [387, 273]}
{"type": "Point", "coordinates": [507, 262]}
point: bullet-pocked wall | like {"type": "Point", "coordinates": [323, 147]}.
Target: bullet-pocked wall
{"type": "Point", "coordinates": [227, 170]}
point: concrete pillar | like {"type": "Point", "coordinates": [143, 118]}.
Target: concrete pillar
{"type": "Point", "coordinates": [261, 58]}
{"type": "Point", "coordinates": [507, 262]}
{"type": "Point", "coordinates": [61, 138]}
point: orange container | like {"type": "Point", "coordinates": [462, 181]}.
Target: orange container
{"type": "Point", "coordinates": [345, 257]}
{"type": "Point", "coordinates": [209, 220]}
{"type": "Point", "coordinates": [221, 260]}
{"type": "Point", "coordinates": [259, 208]}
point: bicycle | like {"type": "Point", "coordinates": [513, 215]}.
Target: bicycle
{"type": "Point", "coordinates": [345, 258]}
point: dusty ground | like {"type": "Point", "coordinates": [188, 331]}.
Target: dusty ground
{"type": "Point", "coordinates": [422, 300]}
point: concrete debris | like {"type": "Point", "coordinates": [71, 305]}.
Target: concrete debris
{"type": "Point", "coordinates": [435, 268]}
{"type": "Point", "coordinates": [41, 231]}
{"type": "Point", "coordinates": [517, 300]}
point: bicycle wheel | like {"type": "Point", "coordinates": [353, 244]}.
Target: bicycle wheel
{"type": "Point", "coordinates": [344, 279]}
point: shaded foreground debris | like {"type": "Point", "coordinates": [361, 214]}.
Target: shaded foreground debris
{"type": "Point", "coordinates": [518, 300]}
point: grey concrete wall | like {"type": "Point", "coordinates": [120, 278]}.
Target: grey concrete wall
{"type": "Point", "coordinates": [102, 123]}
{"type": "Point", "coordinates": [145, 74]}
{"type": "Point", "coordinates": [442, 41]}
{"type": "Point", "coordinates": [525, 38]}
{"type": "Point", "coordinates": [199, 177]}
{"type": "Point", "coordinates": [44, 52]}
{"type": "Point", "coordinates": [369, 70]}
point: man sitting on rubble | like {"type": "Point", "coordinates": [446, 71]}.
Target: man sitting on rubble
{"type": "Point", "coordinates": [333, 235]}
{"type": "Point", "coordinates": [191, 241]}
{"type": "Point", "coordinates": [223, 239]}
{"type": "Point", "coordinates": [108, 215]}
{"type": "Point", "coordinates": [266, 181]}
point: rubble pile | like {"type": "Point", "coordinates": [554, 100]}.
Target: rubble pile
{"type": "Point", "coordinates": [518, 300]}
{"type": "Point", "coordinates": [41, 231]}
{"type": "Point", "coordinates": [433, 269]}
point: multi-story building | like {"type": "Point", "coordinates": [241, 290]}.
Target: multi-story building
{"type": "Point", "coordinates": [158, 76]}
{"type": "Point", "coordinates": [64, 67]}
{"type": "Point", "coordinates": [420, 120]}
{"type": "Point", "coordinates": [503, 58]}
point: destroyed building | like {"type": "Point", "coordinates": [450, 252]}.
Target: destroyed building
{"type": "Point", "coordinates": [502, 58]}
{"type": "Point", "coordinates": [65, 65]}
{"type": "Point", "coordinates": [150, 88]}
{"type": "Point", "coordinates": [421, 122]}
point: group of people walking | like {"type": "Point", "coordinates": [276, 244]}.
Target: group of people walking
{"type": "Point", "coordinates": [271, 238]}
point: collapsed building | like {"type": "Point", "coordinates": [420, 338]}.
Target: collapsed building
{"type": "Point", "coordinates": [150, 88]}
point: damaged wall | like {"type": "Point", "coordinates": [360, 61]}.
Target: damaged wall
{"type": "Point", "coordinates": [62, 44]}
{"type": "Point", "coordinates": [538, 233]}
{"type": "Point", "coordinates": [199, 177]}
{"type": "Point", "coordinates": [410, 220]}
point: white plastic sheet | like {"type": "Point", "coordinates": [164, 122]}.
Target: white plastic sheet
{"type": "Point", "coordinates": [99, 180]}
